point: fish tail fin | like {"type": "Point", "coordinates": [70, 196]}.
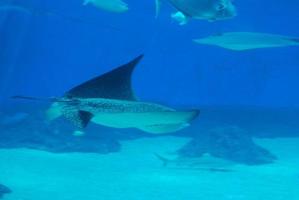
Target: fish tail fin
{"type": "Point", "coordinates": [158, 7]}
{"type": "Point", "coordinates": [164, 160]}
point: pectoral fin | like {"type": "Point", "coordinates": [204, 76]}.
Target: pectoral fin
{"type": "Point", "coordinates": [79, 118]}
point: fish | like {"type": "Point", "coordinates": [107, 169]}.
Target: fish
{"type": "Point", "coordinates": [17, 8]}
{"type": "Point", "coordinates": [241, 41]}
{"type": "Point", "coordinates": [116, 6]}
{"type": "Point", "coordinates": [210, 10]}
{"type": "Point", "coordinates": [109, 100]}
{"type": "Point", "coordinates": [206, 163]}
{"type": "Point", "coordinates": [37, 12]}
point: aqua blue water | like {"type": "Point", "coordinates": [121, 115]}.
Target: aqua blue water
{"type": "Point", "coordinates": [50, 46]}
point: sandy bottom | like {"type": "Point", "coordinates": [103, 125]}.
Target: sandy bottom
{"type": "Point", "coordinates": [136, 174]}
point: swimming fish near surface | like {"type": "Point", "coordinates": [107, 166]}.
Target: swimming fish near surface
{"type": "Point", "coordinates": [109, 100]}
{"type": "Point", "coordinates": [210, 10]}
{"type": "Point", "coordinates": [239, 41]}
{"type": "Point", "coordinates": [117, 6]}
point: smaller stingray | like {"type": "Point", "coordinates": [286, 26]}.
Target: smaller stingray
{"type": "Point", "coordinates": [210, 10]}
{"type": "Point", "coordinates": [205, 162]}
{"type": "Point", "coordinates": [117, 6]}
{"type": "Point", "coordinates": [240, 41]}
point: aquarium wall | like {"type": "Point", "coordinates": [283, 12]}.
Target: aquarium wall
{"type": "Point", "coordinates": [128, 99]}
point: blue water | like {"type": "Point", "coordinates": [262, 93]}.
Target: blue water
{"type": "Point", "coordinates": [174, 70]}
{"type": "Point", "coordinates": [60, 44]}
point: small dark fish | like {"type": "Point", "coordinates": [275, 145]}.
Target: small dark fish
{"type": "Point", "coordinates": [4, 190]}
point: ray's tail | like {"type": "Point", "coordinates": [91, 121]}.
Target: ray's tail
{"type": "Point", "coordinates": [34, 98]}
{"type": "Point", "coordinates": [45, 99]}
{"type": "Point", "coordinates": [26, 98]}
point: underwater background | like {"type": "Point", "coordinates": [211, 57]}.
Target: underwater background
{"type": "Point", "coordinates": [249, 104]}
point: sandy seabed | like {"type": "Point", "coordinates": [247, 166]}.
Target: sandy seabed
{"type": "Point", "coordinates": [136, 174]}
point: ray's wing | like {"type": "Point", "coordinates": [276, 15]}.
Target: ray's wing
{"type": "Point", "coordinates": [115, 84]}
